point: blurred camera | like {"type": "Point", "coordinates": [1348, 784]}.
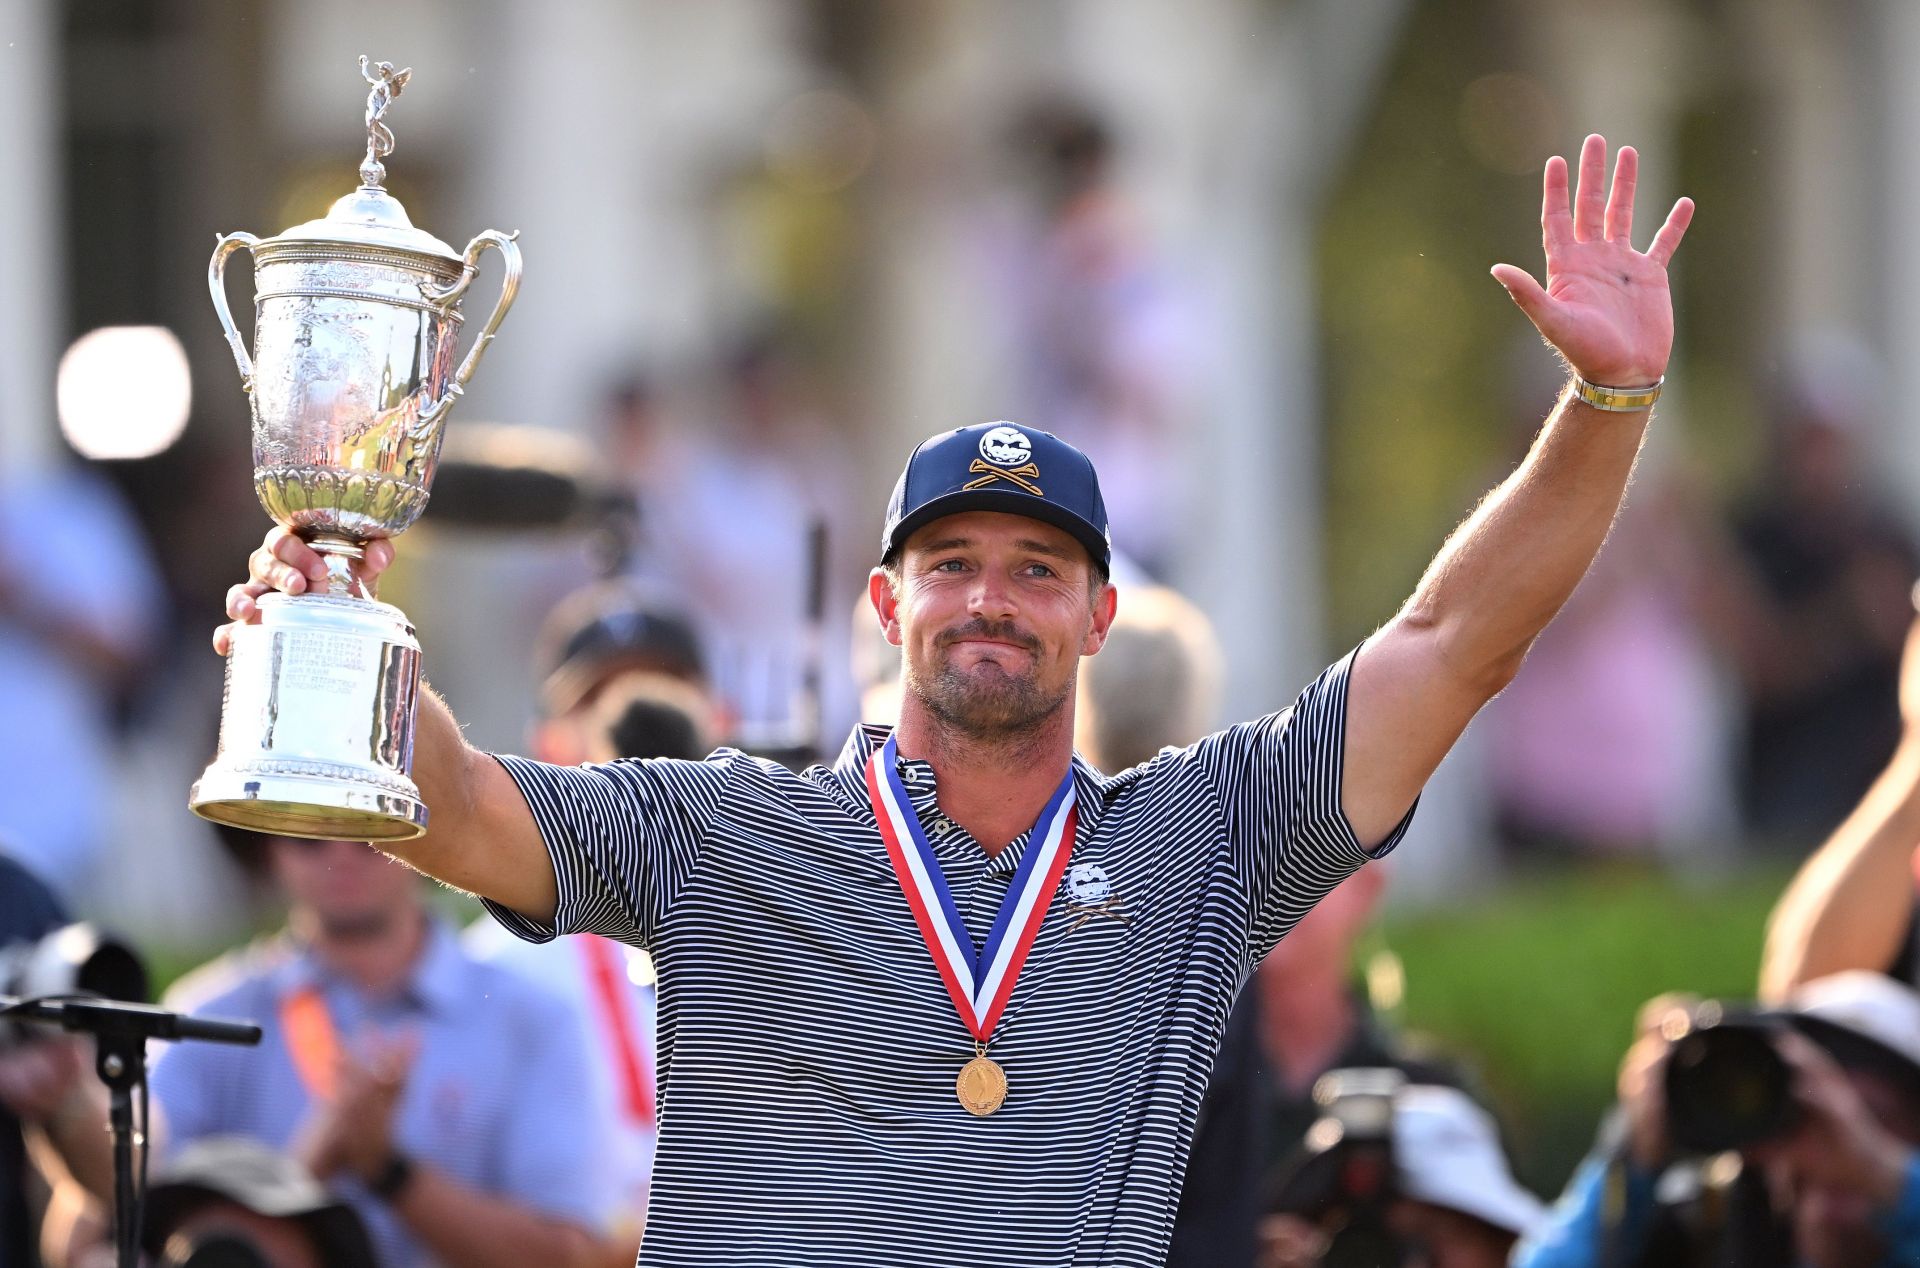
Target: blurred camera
{"type": "Point", "coordinates": [1343, 1177]}
{"type": "Point", "coordinates": [219, 1249]}
{"type": "Point", "coordinates": [1727, 1086]}
{"type": "Point", "coordinates": [76, 960]}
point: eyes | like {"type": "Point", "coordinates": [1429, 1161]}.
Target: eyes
{"type": "Point", "coordinates": [1034, 569]}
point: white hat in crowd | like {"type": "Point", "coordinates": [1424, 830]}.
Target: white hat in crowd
{"type": "Point", "coordinates": [1448, 1152]}
{"type": "Point", "coordinates": [1870, 1005]}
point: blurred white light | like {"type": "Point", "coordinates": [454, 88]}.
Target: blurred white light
{"type": "Point", "coordinates": [124, 391]}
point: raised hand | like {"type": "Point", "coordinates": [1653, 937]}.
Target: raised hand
{"type": "Point", "coordinates": [1605, 307]}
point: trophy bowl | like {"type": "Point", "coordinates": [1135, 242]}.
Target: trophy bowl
{"type": "Point", "coordinates": [350, 380]}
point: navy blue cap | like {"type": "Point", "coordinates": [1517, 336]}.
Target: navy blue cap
{"type": "Point", "coordinates": [999, 467]}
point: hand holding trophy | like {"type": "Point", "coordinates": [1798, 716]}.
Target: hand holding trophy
{"type": "Point", "coordinates": [351, 378]}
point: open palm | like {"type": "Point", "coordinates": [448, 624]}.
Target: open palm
{"type": "Point", "coordinates": [1605, 307]}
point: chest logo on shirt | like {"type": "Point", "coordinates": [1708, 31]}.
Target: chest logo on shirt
{"type": "Point", "coordinates": [1090, 894]}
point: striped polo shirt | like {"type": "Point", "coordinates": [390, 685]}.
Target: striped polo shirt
{"type": "Point", "coordinates": [808, 1047]}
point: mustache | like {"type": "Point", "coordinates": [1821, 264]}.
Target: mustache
{"type": "Point", "coordinates": [998, 631]}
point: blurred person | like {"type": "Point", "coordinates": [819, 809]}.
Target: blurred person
{"type": "Point", "coordinates": [224, 1197]}
{"type": "Point", "coordinates": [807, 926]}
{"type": "Point", "coordinates": [443, 1097]}
{"type": "Point", "coordinates": [598, 635]}
{"type": "Point", "coordinates": [1450, 1202]}
{"type": "Point", "coordinates": [1818, 622]}
{"type": "Point", "coordinates": [1102, 338]}
{"type": "Point", "coordinates": [1155, 684]}
{"type": "Point", "coordinates": [78, 612]}
{"type": "Point", "coordinates": [1614, 740]}
{"type": "Point", "coordinates": [1855, 902]}
{"type": "Point", "coordinates": [622, 679]}
{"type": "Point", "coordinates": [1300, 1017]}
{"type": "Point", "coordinates": [39, 1072]}
{"type": "Point", "coordinates": [728, 513]}
{"type": "Point", "coordinates": [876, 667]}
{"type": "Point", "coordinates": [1838, 1186]}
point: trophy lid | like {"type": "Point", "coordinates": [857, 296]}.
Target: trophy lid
{"type": "Point", "coordinates": [370, 216]}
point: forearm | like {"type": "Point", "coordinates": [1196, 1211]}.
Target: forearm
{"type": "Point", "coordinates": [1505, 572]}
{"type": "Point", "coordinates": [462, 1226]}
{"type": "Point", "coordinates": [480, 835]}
{"type": "Point", "coordinates": [1852, 900]}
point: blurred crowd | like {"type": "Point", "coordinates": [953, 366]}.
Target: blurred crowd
{"type": "Point", "coordinates": [427, 1092]}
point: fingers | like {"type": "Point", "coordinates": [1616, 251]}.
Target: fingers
{"type": "Point", "coordinates": [1626, 175]}
{"type": "Point", "coordinates": [1668, 239]}
{"type": "Point", "coordinates": [1530, 295]}
{"type": "Point", "coordinates": [1556, 220]}
{"type": "Point", "coordinates": [287, 564]}
{"type": "Point", "coordinates": [1589, 200]}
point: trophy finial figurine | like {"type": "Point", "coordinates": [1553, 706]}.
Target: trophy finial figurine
{"type": "Point", "coordinates": [387, 83]}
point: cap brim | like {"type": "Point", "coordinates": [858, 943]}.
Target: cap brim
{"type": "Point", "coordinates": [1490, 1196]}
{"type": "Point", "coordinates": [1007, 502]}
{"type": "Point", "coordinates": [1853, 1049]}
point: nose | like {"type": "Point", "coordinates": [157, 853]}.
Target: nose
{"type": "Point", "coordinates": [991, 597]}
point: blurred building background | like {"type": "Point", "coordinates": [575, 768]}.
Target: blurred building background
{"type": "Point", "coordinates": [1235, 248]}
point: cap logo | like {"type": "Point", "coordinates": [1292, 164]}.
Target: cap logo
{"type": "Point", "coordinates": [1006, 447]}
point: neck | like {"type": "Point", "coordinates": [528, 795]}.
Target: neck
{"type": "Point", "coordinates": [376, 954]}
{"type": "Point", "coordinates": [993, 786]}
{"type": "Point", "coordinates": [1306, 1015]}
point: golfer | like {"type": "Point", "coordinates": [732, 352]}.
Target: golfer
{"type": "Point", "coordinates": [892, 1030]}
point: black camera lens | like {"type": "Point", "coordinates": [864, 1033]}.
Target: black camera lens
{"type": "Point", "coordinates": [1726, 1085]}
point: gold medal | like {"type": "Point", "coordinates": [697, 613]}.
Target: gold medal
{"type": "Point", "coordinates": [982, 1086]}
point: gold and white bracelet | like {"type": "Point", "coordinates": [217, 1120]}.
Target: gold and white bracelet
{"type": "Point", "coordinates": [1618, 400]}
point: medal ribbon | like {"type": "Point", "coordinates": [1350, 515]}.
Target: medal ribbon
{"type": "Point", "coordinates": [979, 985]}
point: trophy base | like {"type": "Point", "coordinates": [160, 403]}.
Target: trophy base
{"type": "Point", "coordinates": [316, 731]}
{"type": "Point", "coordinates": [287, 805]}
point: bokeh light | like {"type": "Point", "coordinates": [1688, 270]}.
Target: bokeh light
{"type": "Point", "coordinates": [124, 391]}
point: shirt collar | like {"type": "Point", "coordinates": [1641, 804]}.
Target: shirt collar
{"type": "Point", "coordinates": [849, 773]}
{"type": "Point", "coordinates": [436, 983]}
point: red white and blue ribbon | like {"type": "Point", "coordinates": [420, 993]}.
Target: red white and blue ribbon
{"type": "Point", "coordinates": [981, 983]}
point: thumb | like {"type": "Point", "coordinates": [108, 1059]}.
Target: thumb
{"type": "Point", "coordinates": [1527, 293]}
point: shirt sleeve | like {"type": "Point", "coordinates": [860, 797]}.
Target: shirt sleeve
{"type": "Point", "coordinates": [624, 838]}
{"type": "Point", "coordinates": [1578, 1227]}
{"type": "Point", "coordinates": [1278, 781]}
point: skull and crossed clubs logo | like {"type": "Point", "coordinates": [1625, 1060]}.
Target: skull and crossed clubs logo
{"type": "Point", "coordinates": [1006, 447]}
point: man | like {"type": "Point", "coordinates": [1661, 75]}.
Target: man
{"type": "Point", "coordinates": [1839, 1188]}
{"type": "Point", "coordinates": [1454, 1202]}
{"type": "Point", "coordinates": [884, 1037]}
{"type": "Point", "coordinates": [444, 1098]}
{"type": "Point", "coordinates": [37, 1072]}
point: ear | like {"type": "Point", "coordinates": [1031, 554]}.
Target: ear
{"type": "Point", "coordinates": [886, 604]}
{"type": "Point", "coordinates": [1104, 608]}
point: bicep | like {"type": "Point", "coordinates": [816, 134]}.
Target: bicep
{"type": "Point", "coordinates": [1405, 710]}
{"type": "Point", "coordinates": [490, 844]}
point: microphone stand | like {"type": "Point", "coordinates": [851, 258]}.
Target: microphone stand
{"type": "Point", "coordinates": [121, 1032]}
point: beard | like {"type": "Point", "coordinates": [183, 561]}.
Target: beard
{"type": "Point", "coordinates": [987, 701]}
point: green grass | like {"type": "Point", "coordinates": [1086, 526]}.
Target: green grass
{"type": "Point", "coordinates": [1537, 986]}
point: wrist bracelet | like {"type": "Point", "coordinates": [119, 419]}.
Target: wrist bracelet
{"type": "Point", "coordinates": [1618, 400]}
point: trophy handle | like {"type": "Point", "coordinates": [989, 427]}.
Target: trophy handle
{"type": "Point", "coordinates": [450, 295]}
{"type": "Point", "coordinates": [223, 246]}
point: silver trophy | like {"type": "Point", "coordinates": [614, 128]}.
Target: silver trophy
{"type": "Point", "coordinates": [352, 374]}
